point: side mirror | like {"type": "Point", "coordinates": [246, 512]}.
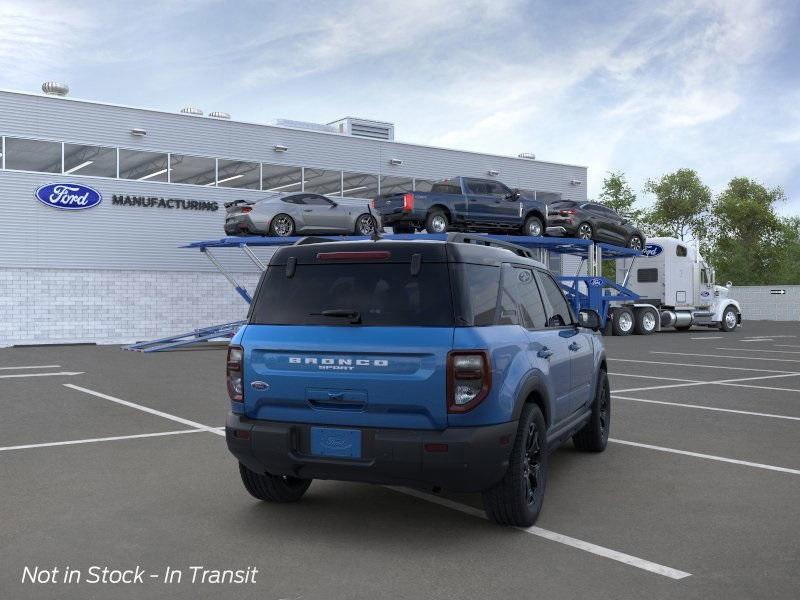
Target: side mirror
{"type": "Point", "coordinates": [729, 284]}
{"type": "Point", "coordinates": [334, 204]}
{"type": "Point", "coordinates": [589, 319]}
{"type": "Point", "coordinates": [513, 196]}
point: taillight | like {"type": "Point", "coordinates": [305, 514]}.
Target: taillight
{"type": "Point", "coordinates": [234, 373]}
{"type": "Point", "coordinates": [373, 203]}
{"type": "Point", "coordinates": [246, 209]}
{"type": "Point", "coordinates": [469, 378]}
{"type": "Point", "coordinates": [408, 202]}
{"type": "Point", "coordinates": [570, 211]}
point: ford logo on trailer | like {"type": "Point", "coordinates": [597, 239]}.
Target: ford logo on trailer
{"type": "Point", "coordinates": [68, 196]}
{"type": "Point", "coordinates": [595, 282]}
{"type": "Point", "coordinates": [652, 250]}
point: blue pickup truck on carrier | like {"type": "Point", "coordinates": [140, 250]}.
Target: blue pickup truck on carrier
{"type": "Point", "coordinates": [464, 204]}
{"type": "Point", "coordinates": [435, 364]}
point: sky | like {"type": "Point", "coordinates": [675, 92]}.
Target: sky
{"type": "Point", "coordinates": [639, 87]}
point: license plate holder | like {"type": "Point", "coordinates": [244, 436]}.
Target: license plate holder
{"type": "Point", "coordinates": [336, 442]}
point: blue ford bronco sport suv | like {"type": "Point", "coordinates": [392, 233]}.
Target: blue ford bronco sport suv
{"type": "Point", "coordinates": [450, 364]}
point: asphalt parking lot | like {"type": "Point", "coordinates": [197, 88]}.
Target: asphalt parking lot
{"type": "Point", "coordinates": [115, 458]}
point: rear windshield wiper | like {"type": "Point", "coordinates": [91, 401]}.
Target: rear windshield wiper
{"type": "Point", "coordinates": [342, 313]}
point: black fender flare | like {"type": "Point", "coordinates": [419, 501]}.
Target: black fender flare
{"type": "Point", "coordinates": [534, 383]}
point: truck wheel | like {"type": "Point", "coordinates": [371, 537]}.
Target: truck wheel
{"type": "Point", "coordinates": [517, 498]}
{"type": "Point", "coordinates": [273, 488]}
{"type": "Point", "coordinates": [594, 435]}
{"type": "Point", "coordinates": [436, 222]}
{"type": "Point", "coordinates": [622, 323]}
{"type": "Point", "coordinates": [645, 323]}
{"type": "Point", "coordinates": [729, 320]}
{"type": "Point", "coordinates": [533, 227]}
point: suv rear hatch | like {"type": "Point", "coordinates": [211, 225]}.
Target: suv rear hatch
{"type": "Point", "coordinates": [351, 334]}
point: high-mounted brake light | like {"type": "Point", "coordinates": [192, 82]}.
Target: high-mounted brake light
{"type": "Point", "coordinates": [367, 255]}
{"type": "Point", "coordinates": [234, 373]}
{"type": "Point", "coordinates": [408, 202]}
{"type": "Point", "coordinates": [469, 379]}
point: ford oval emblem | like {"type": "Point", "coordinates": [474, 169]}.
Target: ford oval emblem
{"type": "Point", "coordinates": [68, 196]}
{"type": "Point", "coordinates": [259, 385]}
{"type": "Point", "coordinates": [652, 250]}
{"type": "Point", "coordinates": [595, 282]}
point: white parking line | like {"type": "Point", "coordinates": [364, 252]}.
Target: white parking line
{"type": "Point", "coordinates": [703, 407]}
{"type": "Point", "coordinates": [18, 375]}
{"type": "Point", "coordinates": [147, 409]}
{"type": "Point", "coordinates": [708, 337]}
{"type": "Point", "coordinates": [627, 559]}
{"type": "Point", "coordinates": [759, 350]}
{"type": "Point", "coordinates": [674, 364]}
{"type": "Point", "coordinates": [707, 456]}
{"type": "Point", "coordinates": [734, 382]}
{"type": "Point", "coordinates": [756, 340]}
{"type": "Point", "coordinates": [667, 377]}
{"type": "Point", "coordinates": [31, 367]}
{"type": "Point", "coordinates": [727, 356]}
{"type": "Point", "coordinates": [787, 346]}
{"type": "Point", "coordinates": [102, 439]}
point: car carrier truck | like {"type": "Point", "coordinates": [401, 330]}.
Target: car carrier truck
{"type": "Point", "coordinates": [676, 289]}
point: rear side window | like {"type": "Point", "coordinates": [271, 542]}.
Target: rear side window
{"type": "Point", "coordinates": [446, 187]}
{"type": "Point", "coordinates": [647, 275]}
{"type": "Point", "coordinates": [382, 294]}
{"type": "Point", "coordinates": [521, 302]}
{"type": "Point", "coordinates": [559, 313]}
{"type": "Point", "coordinates": [479, 286]}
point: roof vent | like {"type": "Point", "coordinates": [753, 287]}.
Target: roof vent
{"type": "Point", "coordinates": [192, 110]}
{"type": "Point", "coordinates": [219, 115]}
{"type": "Point", "coordinates": [53, 88]}
{"type": "Point", "coordinates": [527, 155]}
{"type": "Point", "coordinates": [376, 130]}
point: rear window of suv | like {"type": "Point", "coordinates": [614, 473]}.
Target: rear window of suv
{"type": "Point", "coordinates": [385, 295]}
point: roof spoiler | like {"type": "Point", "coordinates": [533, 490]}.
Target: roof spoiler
{"type": "Point", "coordinates": [482, 240]}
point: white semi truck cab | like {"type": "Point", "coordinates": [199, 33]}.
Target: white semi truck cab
{"type": "Point", "coordinates": [676, 289]}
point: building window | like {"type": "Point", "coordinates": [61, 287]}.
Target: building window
{"type": "Point", "coordinates": [195, 170]}
{"type": "Point", "coordinates": [143, 166]}
{"type": "Point", "coordinates": [320, 181]}
{"type": "Point", "coordinates": [396, 185]}
{"type": "Point", "coordinates": [33, 155]}
{"type": "Point", "coordinates": [280, 178]}
{"type": "Point", "coordinates": [238, 174]}
{"type": "Point", "coordinates": [359, 185]}
{"type": "Point", "coordinates": [90, 160]}
{"type": "Point", "coordinates": [423, 185]}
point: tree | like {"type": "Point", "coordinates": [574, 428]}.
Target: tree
{"type": "Point", "coordinates": [618, 196]}
{"type": "Point", "coordinates": [751, 244]}
{"type": "Point", "coordinates": [681, 206]}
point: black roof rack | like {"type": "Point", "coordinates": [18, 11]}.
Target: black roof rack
{"type": "Point", "coordinates": [482, 240]}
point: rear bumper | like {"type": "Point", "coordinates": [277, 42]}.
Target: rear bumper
{"type": "Point", "coordinates": [570, 226]}
{"type": "Point", "coordinates": [398, 215]}
{"type": "Point", "coordinates": [476, 457]}
{"type": "Point", "coordinates": [242, 225]}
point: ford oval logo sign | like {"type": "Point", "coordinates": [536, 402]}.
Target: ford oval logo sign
{"type": "Point", "coordinates": [68, 196]}
{"type": "Point", "coordinates": [652, 250]}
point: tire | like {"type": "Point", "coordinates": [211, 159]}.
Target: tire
{"type": "Point", "coordinates": [645, 322]}
{"type": "Point", "coordinates": [729, 320]}
{"type": "Point", "coordinates": [282, 225]}
{"type": "Point", "coordinates": [623, 321]}
{"type": "Point", "coordinates": [366, 225]}
{"type": "Point", "coordinates": [517, 498]}
{"type": "Point", "coordinates": [436, 221]}
{"type": "Point", "coordinates": [635, 242]}
{"type": "Point", "coordinates": [584, 231]}
{"type": "Point", "coordinates": [533, 227]}
{"type": "Point", "coordinates": [273, 488]}
{"type": "Point", "coordinates": [594, 435]}
{"type": "Point", "coordinates": [402, 228]}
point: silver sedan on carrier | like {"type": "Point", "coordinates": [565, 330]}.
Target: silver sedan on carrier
{"type": "Point", "coordinates": [301, 213]}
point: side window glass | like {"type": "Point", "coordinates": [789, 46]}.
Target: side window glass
{"type": "Point", "coordinates": [680, 251]}
{"type": "Point", "coordinates": [559, 313]}
{"type": "Point", "coordinates": [477, 187]}
{"type": "Point", "coordinates": [315, 200]}
{"type": "Point", "coordinates": [526, 294]}
{"type": "Point", "coordinates": [480, 286]}
{"type": "Point", "coordinates": [293, 200]}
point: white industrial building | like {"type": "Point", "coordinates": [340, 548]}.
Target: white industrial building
{"type": "Point", "coordinates": [114, 272]}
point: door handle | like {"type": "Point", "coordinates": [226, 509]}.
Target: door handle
{"type": "Point", "coordinates": [574, 347]}
{"type": "Point", "coordinates": [307, 210]}
{"type": "Point", "coordinates": [544, 353]}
